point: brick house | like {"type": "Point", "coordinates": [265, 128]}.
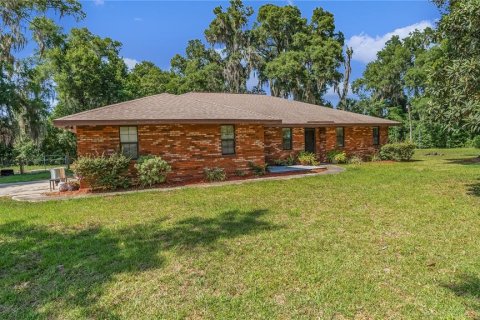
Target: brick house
{"type": "Point", "coordinates": [197, 130]}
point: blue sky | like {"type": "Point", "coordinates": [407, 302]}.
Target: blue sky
{"type": "Point", "coordinates": [157, 30]}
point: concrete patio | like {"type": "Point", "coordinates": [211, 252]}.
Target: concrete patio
{"type": "Point", "coordinates": [28, 191]}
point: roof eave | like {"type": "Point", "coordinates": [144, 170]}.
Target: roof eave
{"type": "Point", "coordinates": [61, 123]}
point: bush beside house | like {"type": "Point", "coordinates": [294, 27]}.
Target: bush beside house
{"type": "Point", "coordinates": [402, 151]}
{"type": "Point", "coordinates": [152, 170]}
{"type": "Point", "coordinates": [214, 174]}
{"type": "Point", "coordinates": [103, 172]}
{"type": "Point", "coordinates": [307, 158]}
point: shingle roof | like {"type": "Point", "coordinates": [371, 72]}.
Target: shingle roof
{"type": "Point", "coordinates": [217, 108]}
{"type": "Point", "coordinates": [289, 111]}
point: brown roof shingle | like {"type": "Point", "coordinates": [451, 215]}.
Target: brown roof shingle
{"type": "Point", "coordinates": [217, 108]}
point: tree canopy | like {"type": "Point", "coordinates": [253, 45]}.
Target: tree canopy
{"type": "Point", "coordinates": [428, 80]}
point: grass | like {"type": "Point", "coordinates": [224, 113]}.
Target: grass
{"type": "Point", "coordinates": [381, 240]}
{"type": "Point", "coordinates": [32, 173]}
{"type": "Point", "coordinates": [30, 176]}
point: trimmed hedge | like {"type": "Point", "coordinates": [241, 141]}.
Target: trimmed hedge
{"type": "Point", "coordinates": [103, 172]}
{"type": "Point", "coordinates": [401, 151]}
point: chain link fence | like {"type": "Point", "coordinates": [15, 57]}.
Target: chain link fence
{"type": "Point", "coordinates": [40, 163]}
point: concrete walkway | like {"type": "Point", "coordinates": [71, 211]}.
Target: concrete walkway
{"type": "Point", "coordinates": [35, 191]}
{"type": "Point", "coordinates": [32, 190]}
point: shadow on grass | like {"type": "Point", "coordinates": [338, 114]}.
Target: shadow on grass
{"type": "Point", "coordinates": [47, 272]}
{"type": "Point", "coordinates": [465, 161]}
{"type": "Point", "coordinates": [474, 189]}
{"type": "Point", "coordinates": [467, 286]}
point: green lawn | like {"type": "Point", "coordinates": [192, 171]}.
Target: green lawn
{"type": "Point", "coordinates": [30, 176]}
{"type": "Point", "coordinates": [37, 174]}
{"type": "Point", "coordinates": [382, 241]}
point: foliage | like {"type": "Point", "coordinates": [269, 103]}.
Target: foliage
{"type": "Point", "coordinates": [228, 29]}
{"type": "Point", "coordinates": [307, 158]}
{"type": "Point", "coordinates": [214, 174]}
{"type": "Point", "coordinates": [152, 170]}
{"type": "Point", "coordinates": [289, 161]}
{"type": "Point", "coordinates": [200, 70]}
{"type": "Point", "coordinates": [337, 156]}
{"type": "Point", "coordinates": [476, 142]}
{"type": "Point", "coordinates": [73, 185]}
{"type": "Point", "coordinates": [146, 79]}
{"type": "Point", "coordinates": [297, 58]}
{"type": "Point", "coordinates": [355, 160]}
{"type": "Point", "coordinates": [240, 173]}
{"type": "Point", "coordinates": [400, 151]}
{"type": "Point", "coordinates": [258, 169]}
{"type": "Point", "coordinates": [88, 72]}
{"type": "Point", "coordinates": [375, 157]}
{"type": "Point", "coordinates": [58, 142]}
{"type": "Point", "coordinates": [25, 150]}
{"type": "Point", "coordinates": [18, 16]}
{"type": "Point", "coordinates": [103, 172]}
{"type": "Point", "coordinates": [452, 80]}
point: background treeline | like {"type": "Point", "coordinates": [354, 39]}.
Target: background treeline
{"type": "Point", "coordinates": [429, 81]}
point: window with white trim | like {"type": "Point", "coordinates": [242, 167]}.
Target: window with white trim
{"type": "Point", "coordinates": [228, 139]}
{"type": "Point", "coordinates": [129, 141]}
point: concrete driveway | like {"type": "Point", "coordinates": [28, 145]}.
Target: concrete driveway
{"type": "Point", "coordinates": [28, 191]}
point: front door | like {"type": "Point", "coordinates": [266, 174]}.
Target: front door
{"type": "Point", "coordinates": [310, 139]}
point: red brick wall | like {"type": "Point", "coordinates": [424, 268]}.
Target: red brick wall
{"type": "Point", "coordinates": [190, 148]}
{"type": "Point", "coordinates": [274, 143]}
{"type": "Point", "coordinates": [96, 140]}
{"type": "Point", "coordinates": [187, 148]}
{"type": "Point", "coordinates": [358, 140]}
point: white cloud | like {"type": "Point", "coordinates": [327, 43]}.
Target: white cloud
{"type": "Point", "coordinates": [290, 2]}
{"type": "Point", "coordinates": [137, 19]}
{"type": "Point", "coordinates": [365, 47]}
{"type": "Point", "coordinates": [131, 63]}
{"type": "Point", "coordinates": [99, 2]}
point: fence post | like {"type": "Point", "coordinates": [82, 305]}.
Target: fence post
{"type": "Point", "coordinates": [67, 161]}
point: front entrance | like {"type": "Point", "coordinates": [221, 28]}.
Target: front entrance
{"type": "Point", "coordinates": [310, 140]}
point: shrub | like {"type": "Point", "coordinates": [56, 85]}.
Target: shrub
{"type": "Point", "coordinates": [340, 158]}
{"type": "Point", "coordinates": [285, 162]}
{"type": "Point", "coordinates": [355, 160]}
{"type": "Point", "coordinates": [258, 169]}
{"type": "Point", "coordinates": [331, 155]}
{"type": "Point", "coordinates": [307, 158]}
{"type": "Point", "coordinates": [375, 157]}
{"type": "Point", "coordinates": [152, 170]}
{"type": "Point", "coordinates": [401, 151]}
{"type": "Point", "coordinates": [73, 185]}
{"type": "Point", "coordinates": [214, 174]}
{"type": "Point", "coordinates": [337, 156]}
{"type": "Point", "coordinates": [476, 142]}
{"type": "Point", "coordinates": [240, 173]}
{"type": "Point", "coordinates": [103, 172]}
